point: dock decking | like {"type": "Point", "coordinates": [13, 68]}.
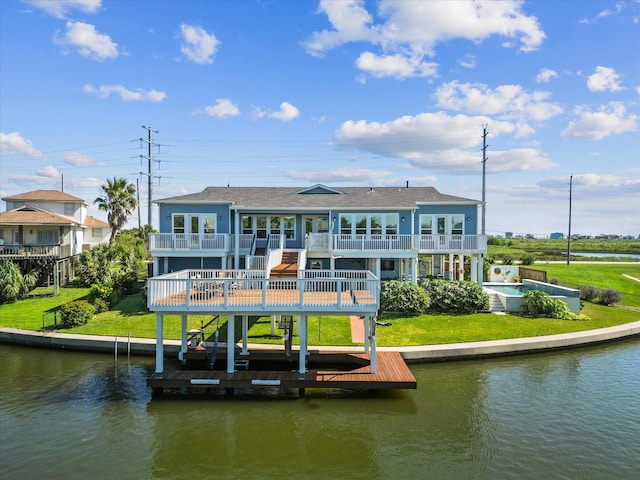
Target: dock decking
{"type": "Point", "coordinates": [338, 370]}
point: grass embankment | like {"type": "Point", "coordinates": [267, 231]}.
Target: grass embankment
{"type": "Point", "coordinates": [129, 316]}
{"type": "Point", "coordinates": [547, 249]}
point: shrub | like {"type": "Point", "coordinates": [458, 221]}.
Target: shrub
{"type": "Point", "coordinates": [609, 296]}
{"type": "Point", "coordinates": [538, 303]}
{"type": "Point", "coordinates": [403, 297]}
{"type": "Point", "coordinates": [101, 305]}
{"type": "Point", "coordinates": [76, 313]}
{"type": "Point", "coordinates": [588, 293]}
{"type": "Point", "coordinates": [507, 259]}
{"type": "Point", "coordinates": [528, 259]}
{"type": "Point", "coordinates": [452, 296]}
{"type": "Point", "coordinates": [103, 291]}
{"type": "Point", "coordinates": [13, 283]}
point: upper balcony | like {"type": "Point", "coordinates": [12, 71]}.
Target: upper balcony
{"type": "Point", "coordinates": [34, 251]}
{"type": "Point", "coordinates": [340, 292]}
{"type": "Point", "coordinates": [369, 245]}
{"type": "Point", "coordinates": [188, 244]}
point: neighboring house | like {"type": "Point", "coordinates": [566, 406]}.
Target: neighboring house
{"type": "Point", "coordinates": [96, 233]}
{"type": "Point", "coordinates": [49, 225]}
{"type": "Point", "coordinates": [385, 230]}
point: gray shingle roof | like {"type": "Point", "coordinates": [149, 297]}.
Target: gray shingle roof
{"type": "Point", "coordinates": [295, 198]}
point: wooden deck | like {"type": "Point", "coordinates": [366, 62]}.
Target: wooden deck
{"type": "Point", "coordinates": [349, 371]}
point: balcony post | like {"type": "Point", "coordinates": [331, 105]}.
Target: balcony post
{"type": "Point", "coordinates": [183, 337]}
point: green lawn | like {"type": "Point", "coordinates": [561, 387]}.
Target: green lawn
{"type": "Point", "coordinates": [598, 275]}
{"type": "Point", "coordinates": [129, 317]}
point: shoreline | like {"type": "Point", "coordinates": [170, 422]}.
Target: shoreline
{"type": "Point", "coordinates": [415, 354]}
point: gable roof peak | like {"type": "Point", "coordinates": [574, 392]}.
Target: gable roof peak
{"type": "Point", "coordinates": [319, 188]}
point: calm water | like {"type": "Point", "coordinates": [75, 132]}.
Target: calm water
{"type": "Point", "coordinates": [566, 415]}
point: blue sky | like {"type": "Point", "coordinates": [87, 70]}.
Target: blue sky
{"type": "Point", "coordinates": [344, 93]}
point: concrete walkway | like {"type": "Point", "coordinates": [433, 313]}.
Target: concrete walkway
{"type": "Point", "coordinates": [423, 353]}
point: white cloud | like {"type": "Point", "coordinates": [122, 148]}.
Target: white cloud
{"type": "Point", "coordinates": [59, 8]}
{"type": "Point", "coordinates": [508, 101]}
{"type": "Point", "coordinates": [439, 142]}
{"type": "Point", "coordinates": [89, 42]}
{"type": "Point", "coordinates": [604, 79]}
{"type": "Point", "coordinates": [545, 75]}
{"type": "Point", "coordinates": [223, 108]}
{"type": "Point", "coordinates": [198, 45]}
{"type": "Point", "coordinates": [85, 183]}
{"type": "Point", "coordinates": [44, 176]}
{"type": "Point", "coordinates": [286, 113]}
{"type": "Point", "coordinates": [359, 176]}
{"type": "Point", "coordinates": [350, 21]}
{"type": "Point", "coordinates": [137, 95]}
{"type": "Point", "coordinates": [610, 119]}
{"type": "Point", "coordinates": [413, 29]}
{"type": "Point", "coordinates": [468, 61]}
{"type": "Point", "coordinates": [15, 144]}
{"type": "Point", "coordinates": [76, 158]}
{"type": "Point", "coordinates": [593, 185]}
{"type": "Point", "coordinates": [398, 66]}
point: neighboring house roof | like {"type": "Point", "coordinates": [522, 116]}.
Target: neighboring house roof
{"type": "Point", "coordinates": [318, 197]}
{"type": "Point", "coordinates": [44, 196]}
{"type": "Point", "coordinates": [93, 222]}
{"type": "Point", "coordinates": [30, 215]}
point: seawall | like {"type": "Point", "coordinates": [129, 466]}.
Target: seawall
{"type": "Point", "coordinates": [417, 354]}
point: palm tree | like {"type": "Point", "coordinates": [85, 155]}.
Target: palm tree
{"type": "Point", "coordinates": [119, 201]}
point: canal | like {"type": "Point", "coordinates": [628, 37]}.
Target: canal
{"type": "Point", "coordinates": [563, 415]}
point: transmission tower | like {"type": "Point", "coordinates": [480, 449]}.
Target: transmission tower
{"type": "Point", "coordinates": [149, 174]}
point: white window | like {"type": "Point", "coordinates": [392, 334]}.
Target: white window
{"type": "Point", "coordinates": [426, 224]}
{"type": "Point", "coordinates": [49, 237]}
{"type": "Point", "coordinates": [265, 225]}
{"type": "Point", "coordinates": [445, 224]}
{"type": "Point", "coordinates": [457, 224]}
{"type": "Point", "coordinates": [209, 224]}
{"type": "Point", "coordinates": [178, 224]}
{"type": "Point", "coordinates": [96, 233]}
{"type": "Point", "coordinates": [69, 208]}
{"type": "Point", "coordinates": [369, 224]}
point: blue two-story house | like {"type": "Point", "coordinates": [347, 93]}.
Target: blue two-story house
{"type": "Point", "coordinates": [385, 230]}
{"type": "Point", "coordinates": [295, 252]}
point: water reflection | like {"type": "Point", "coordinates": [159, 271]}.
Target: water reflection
{"type": "Point", "coordinates": [572, 414]}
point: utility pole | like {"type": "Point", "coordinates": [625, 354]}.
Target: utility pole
{"type": "Point", "coordinates": [484, 174]}
{"type": "Point", "coordinates": [149, 173]}
{"type": "Point", "coordinates": [138, 198]}
{"type": "Point", "coordinates": [569, 239]}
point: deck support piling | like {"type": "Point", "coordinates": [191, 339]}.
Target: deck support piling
{"type": "Point", "coordinates": [183, 336]}
{"type": "Point", "coordinates": [159, 343]}
{"type": "Point", "coordinates": [245, 334]}
{"type": "Point", "coordinates": [231, 320]}
{"type": "Point", "coordinates": [373, 340]}
{"type": "Point", "coordinates": [367, 333]}
{"type": "Point", "coordinates": [302, 331]}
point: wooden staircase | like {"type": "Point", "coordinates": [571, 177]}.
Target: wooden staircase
{"type": "Point", "coordinates": [289, 266]}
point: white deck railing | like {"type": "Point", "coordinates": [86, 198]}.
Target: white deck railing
{"type": "Point", "coordinates": [322, 242]}
{"type": "Point", "coordinates": [218, 242]}
{"type": "Point", "coordinates": [218, 291]}
{"type": "Point", "coordinates": [17, 251]}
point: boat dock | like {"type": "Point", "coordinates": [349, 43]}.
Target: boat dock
{"type": "Point", "coordinates": [344, 370]}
